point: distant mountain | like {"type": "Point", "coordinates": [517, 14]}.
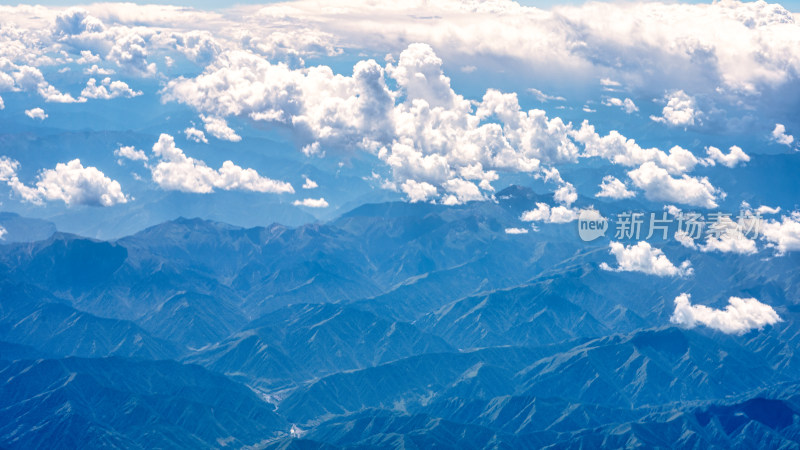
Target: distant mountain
{"type": "Point", "coordinates": [29, 317]}
{"type": "Point", "coordinates": [301, 342]}
{"type": "Point", "coordinates": [395, 325]}
{"type": "Point", "coordinates": [89, 403]}
{"type": "Point", "coordinates": [532, 315]}
{"type": "Point", "coordinates": [15, 228]}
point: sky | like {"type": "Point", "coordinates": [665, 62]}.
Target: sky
{"type": "Point", "coordinates": [118, 116]}
{"type": "Point", "coordinates": [791, 5]}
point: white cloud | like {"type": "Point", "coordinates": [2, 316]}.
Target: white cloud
{"type": "Point", "coordinates": [71, 183]}
{"type": "Point", "coordinates": [610, 83]}
{"type": "Point", "coordinates": [611, 187]}
{"type": "Point", "coordinates": [779, 135]}
{"type": "Point", "coordinates": [734, 156]}
{"type": "Point", "coordinates": [566, 194]}
{"type": "Point", "coordinates": [641, 257]}
{"type": "Point", "coordinates": [311, 203]}
{"type": "Point", "coordinates": [684, 239]}
{"type": "Point", "coordinates": [30, 79]}
{"type": "Point", "coordinates": [97, 70]}
{"type": "Point", "coordinates": [768, 210]}
{"type": "Point", "coordinates": [542, 97]}
{"type": "Point", "coordinates": [3, 233]}
{"type": "Point", "coordinates": [108, 89]}
{"type": "Point", "coordinates": [516, 231]}
{"type": "Point", "coordinates": [681, 110]}
{"type": "Point", "coordinates": [176, 171]}
{"type": "Point", "coordinates": [740, 316]}
{"type": "Point", "coordinates": [2, 104]}
{"type": "Point", "coordinates": [87, 57]}
{"type": "Point", "coordinates": [627, 105]}
{"type": "Point", "coordinates": [727, 237]}
{"type": "Point", "coordinates": [418, 191]}
{"type": "Point", "coordinates": [659, 185]}
{"type": "Point", "coordinates": [423, 130]}
{"type": "Point", "coordinates": [219, 128]}
{"type": "Point", "coordinates": [36, 113]}
{"type": "Point", "coordinates": [621, 150]}
{"type": "Point", "coordinates": [310, 184]}
{"type": "Point", "coordinates": [544, 213]}
{"type": "Point", "coordinates": [128, 152]}
{"type": "Point", "coordinates": [193, 134]}
{"type": "Point", "coordinates": [783, 235]}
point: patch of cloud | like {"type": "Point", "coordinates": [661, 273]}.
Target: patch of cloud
{"type": "Point", "coordinates": [542, 97]}
{"type": "Point", "coordinates": [544, 213]}
{"type": "Point", "coordinates": [130, 153]}
{"type": "Point", "coordinates": [626, 105]}
{"type": "Point", "coordinates": [69, 182]}
{"type": "Point", "coordinates": [611, 187]}
{"type": "Point", "coordinates": [783, 235]}
{"type": "Point", "coordinates": [641, 257]}
{"type": "Point", "coordinates": [219, 128]}
{"type": "Point", "coordinates": [193, 134]}
{"type": "Point", "coordinates": [680, 111]}
{"type": "Point", "coordinates": [36, 113]}
{"type": "Point", "coordinates": [108, 89]}
{"type": "Point", "coordinates": [779, 135]}
{"type": "Point", "coordinates": [97, 70]}
{"type": "Point", "coordinates": [659, 185]}
{"type": "Point", "coordinates": [310, 184]}
{"type": "Point", "coordinates": [311, 203]}
{"type": "Point", "coordinates": [725, 236]}
{"type": "Point", "coordinates": [684, 239]}
{"type": "Point", "coordinates": [516, 231]}
{"type": "Point", "coordinates": [739, 316]}
{"type": "Point", "coordinates": [735, 156]}
{"type": "Point", "coordinates": [176, 171]}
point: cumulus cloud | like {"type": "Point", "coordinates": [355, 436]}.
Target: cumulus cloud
{"type": "Point", "coordinates": [620, 150]}
{"type": "Point", "coordinates": [176, 171]}
{"type": "Point", "coordinates": [680, 110]}
{"type": "Point", "coordinates": [310, 184]}
{"type": "Point", "coordinates": [418, 191]}
{"type": "Point", "coordinates": [516, 231]}
{"type": "Point", "coordinates": [129, 152]}
{"type": "Point", "coordinates": [740, 316]}
{"type": "Point", "coordinates": [435, 141]}
{"type": "Point", "coordinates": [627, 105]}
{"type": "Point", "coordinates": [684, 239]}
{"type": "Point", "coordinates": [108, 89]}
{"type": "Point", "coordinates": [36, 113]}
{"type": "Point", "coordinates": [544, 213]}
{"type": "Point", "coordinates": [734, 156]}
{"type": "Point", "coordinates": [611, 187]}
{"type": "Point", "coordinates": [641, 257]}
{"type": "Point", "coordinates": [219, 128]}
{"type": "Point", "coordinates": [193, 134]}
{"type": "Point", "coordinates": [28, 78]}
{"type": "Point", "coordinates": [311, 203]}
{"type": "Point", "coordinates": [659, 185]}
{"type": "Point", "coordinates": [69, 182]}
{"type": "Point", "coordinates": [542, 97]}
{"type": "Point", "coordinates": [784, 234]}
{"type": "Point", "coordinates": [566, 194]}
{"type": "Point", "coordinates": [779, 135]}
{"type": "Point", "coordinates": [725, 236]}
